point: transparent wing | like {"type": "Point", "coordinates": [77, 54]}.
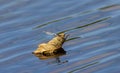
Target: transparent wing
{"type": "Point", "coordinates": [49, 33]}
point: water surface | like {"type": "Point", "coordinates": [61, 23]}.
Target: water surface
{"type": "Point", "coordinates": [92, 47]}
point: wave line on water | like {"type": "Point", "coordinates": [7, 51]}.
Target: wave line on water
{"type": "Point", "coordinates": [13, 56]}
{"type": "Point", "coordinates": [94, 42]}
{"type": "Point", "coordinates": [100, 31]}
{"type": "Point", "coordinates": [83, 67]}
{"type": "Point", "coordinates": [110, 58]}
{"type": "Point", "coordinates": [102, 50]}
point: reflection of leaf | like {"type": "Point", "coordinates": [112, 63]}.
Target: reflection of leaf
{"type": "Point", "coordinates": [72, 38]}
{"type": "Point", "coordinates": [51, 22]}
{"type": "Point", "coordinates": [100, 20]}
{"type": "Point", "coordinates": [88, 65]}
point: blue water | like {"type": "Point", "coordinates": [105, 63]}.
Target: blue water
{"type": "Point", "coordinates": [95, 23]}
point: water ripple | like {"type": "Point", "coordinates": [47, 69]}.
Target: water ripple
{"type": "Point", "coordinates": [100, 31]}
{"type": "Point", "coordinates": [13, 56]}
{"type": "Point", "coordinates": [92, 47]}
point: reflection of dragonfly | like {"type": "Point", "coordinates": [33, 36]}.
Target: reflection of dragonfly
{"type": "Point", "coordinates": [59, 61]}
